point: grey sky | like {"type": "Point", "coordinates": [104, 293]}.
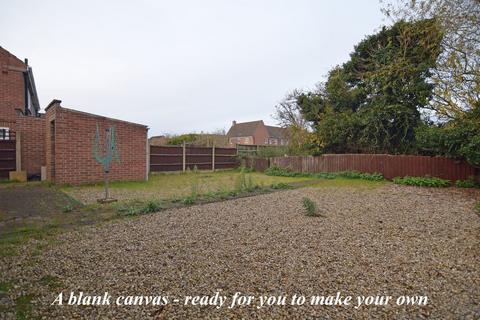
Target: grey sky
{"type": "Point", "coordinates": [182, 66]}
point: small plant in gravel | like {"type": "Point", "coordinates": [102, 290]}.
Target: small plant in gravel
{"type": "Point", "coordinates": [189, 200]}
{"type": "Point", "coordinates": [469, 183]}
{"type": "Point", "coordinates": [310, 207]}
{"type": "Point", "coordinates": [152, 206]}
{"type": "Point", "coordinates": [422, 181]}
{"type": "Point", "coordinates": [68, 208]}
{"type": "Point", "coordinates": [477, 207]}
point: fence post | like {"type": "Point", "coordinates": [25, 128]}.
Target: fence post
{"type": "Point", "coordinates": [213, 156]}
{"type": "Point", "coordinates": [184, 157]}
{"type": "Point", "coordinates": [18, 151]}
{"type": "Point", "coordinates": [148, 159]}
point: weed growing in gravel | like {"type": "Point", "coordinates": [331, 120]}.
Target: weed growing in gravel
{"type": "Point", "coordinates": [469, 183]}
{"type": "Point", "coordinates": [477, 207]}
{"type": "Point", "coordinates": [138, 208]}
{"type": "Point", "coordinates": [422, 181]}
{"type": "Point", "coordinates": [67, 208]}
{"type": "Point", "coordinates": [152, 206]}
{"type": "Point", "coordinates": [189, 200]}
{"type": "Point", "coordinates": [310, 207]}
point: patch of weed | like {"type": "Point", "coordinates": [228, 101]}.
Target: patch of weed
{"type": "Point", "coordinates": [469, 183]}
{"type": "Point", "coordinates": [4, 287]}
{"type": "Point", "coordinates": [23, 307]}
{"type": "Point", "coordinates": [68, 208]}
{"type": "Point", "coordinates": [51, 281]}
{"type": "Point", "coordinates": [280, 185]}
{"type": "Point", "coordinates": [422, 181]}
{"type": "Point", "coordinates": [310, 207]}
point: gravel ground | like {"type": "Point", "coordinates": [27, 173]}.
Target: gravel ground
{"type": "Point", "coordinates": [392, 240]}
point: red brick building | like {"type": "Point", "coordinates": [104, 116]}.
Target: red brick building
{"type": "Point", "coordinates": [256, 133]}
{"type": "Point", "coordinates": [61, 139]}
{"type": "Point", "coordinates": [69, 147]}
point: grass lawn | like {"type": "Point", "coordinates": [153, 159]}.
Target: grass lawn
{"type": "Point", "coordinates": [177, 185]}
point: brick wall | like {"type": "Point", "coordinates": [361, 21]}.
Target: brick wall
{"type": "Point", "coordinates": [261, 134]}
{"type": "Point", "coordinates": [69, 153]}
{"type": "Point", "coordinates": [12, 84]}
{"type": "Point", "coordinates": [31, 132]}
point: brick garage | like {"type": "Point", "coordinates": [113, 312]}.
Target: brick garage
{"type": "Point", "coordinates": [69, 141]}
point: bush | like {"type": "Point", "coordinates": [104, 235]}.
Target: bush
{"type": "Point", "coordinates": [470, 183]}
{"type": "Point", "coordinates": [422, 181]}
{"type": "Point", "coordinates": [324, 175]}
{"type": "Point", "coordinates": [310, 207]}
{"type": "Point", "coordinates": [276, 171]}
{"type": "Point", "coordinates": [279, 172]}
{"type": "Point", "coordinates": [359, 175]}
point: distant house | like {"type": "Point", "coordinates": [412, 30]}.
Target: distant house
{"type": "Point", "coordinates": [256, 133]}
{"type": "Point", "coordinates": [158, 140]}
{"type": "Point", "coordinates": [18, 94]}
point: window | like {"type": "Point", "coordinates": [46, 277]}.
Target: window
{"type": "Point", "coordinates": [5, 133]}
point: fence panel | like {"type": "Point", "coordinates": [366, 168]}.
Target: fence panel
{"type": "Point", "coordinates": [390, 166]}
{"type": "Point", "coordinates": [171, 158]}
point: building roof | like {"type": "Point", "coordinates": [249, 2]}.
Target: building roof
{"type": "Point", "coordinates": [244, 129]}
{"type": "Point", "coordinates": [276, 132]}
{"type": "Point", "coordinates": [15, 64]}
{"type": "Point", "coordinates": [247, 129]}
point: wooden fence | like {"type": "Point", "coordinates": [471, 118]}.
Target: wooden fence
{"type": "Point", "coordinates": [173, 158]}
{"type": "Point", "coordinates": [390, 166]}
{"type": "Point", "coordinates": [8, 157]}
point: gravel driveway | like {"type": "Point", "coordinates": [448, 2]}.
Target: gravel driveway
{"type": "Point", "coordinates": [392, 240]}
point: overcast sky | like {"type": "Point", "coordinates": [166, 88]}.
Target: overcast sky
{"type": "Point", "coordinates": [182, 66]}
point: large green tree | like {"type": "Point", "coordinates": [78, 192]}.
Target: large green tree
{"type": "Point", "coordinates": [456, 75]}
{"type": "Point", "coordinates": [371, 103]}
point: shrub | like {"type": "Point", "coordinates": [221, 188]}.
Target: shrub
{"type": "Point", "coordinates": [324, 175]}
{"type": "Point", "coordinates": [422, 181]}
{"type": "Point", "coordinates": [470, 183]}
{"type": "Point", "coordinates": [277, 171]}
{"type": "Point", "coordinates": [359, 175]}
{"type": "Point", "coordinates": [310, 207]}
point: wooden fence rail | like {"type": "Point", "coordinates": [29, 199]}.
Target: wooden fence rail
{"type": "Point", "coordinates": [390, 166]}
{"type": "Point", "coordinates": [181, 158]}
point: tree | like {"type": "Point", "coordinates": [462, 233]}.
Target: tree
{"type": "Point", "coordinates": [456, 76]}
{"type": "Point", "coordinates": [371, 103]}
{"type": "Point", "coordinates": [459, 138]}
{"type": "Point", "coordinates": [289, 115]}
